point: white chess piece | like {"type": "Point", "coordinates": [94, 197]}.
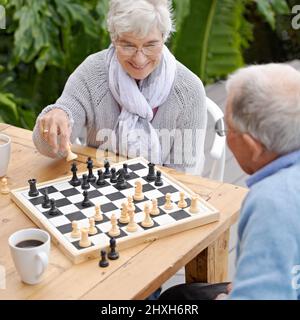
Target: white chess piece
{"type": "Point", "coordinates": [194, 205]}
{"type": "Point", "coordinates": [182, 203]}
{"type": "Point", "coordinates": [70, 155]}
{"type": "Point", "coordinates": [168, 205]}
{"type": "Point", "coordinates": [154, 209]}
{"type": "Point", "coordinates": [147, 222]}
{"type": "Point", "coordinates": [138, 194]}
{"type": "Point", "coordinates": [92, 229]}
{"type": "Point", "coordinates": [130, 204]}
{"type": "Point", "coordinates": [132, 225]}
{"type": "Point", "coordinates": [84, 241]}
{"type": "Point", "coordinates": [4, 186]}
{"type": "Point", "coordinates": [98, 214]}
{"type": "Point", "coordinates": [115, 230]}
{"type": "Point", "coordinates": [124, 218]}
{"type": "Point", "coordinates": [75, 230]}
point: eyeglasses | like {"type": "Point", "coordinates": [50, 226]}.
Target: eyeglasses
{"type": "Point", "coordinates": [149, 50]}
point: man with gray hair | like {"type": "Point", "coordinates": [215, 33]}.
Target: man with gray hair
{"type": "Point", "coordinates": [263, 120]}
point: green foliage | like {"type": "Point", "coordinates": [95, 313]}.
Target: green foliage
{"type": "Point", "coordinates": [212, 36]}
{"type": "Point", "coordinates": [46, 40]}
{"type": "Point", "coordinates": [270, 8]}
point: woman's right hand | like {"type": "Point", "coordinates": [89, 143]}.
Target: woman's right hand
{"type": "Point", "coordinates": [53, 124]}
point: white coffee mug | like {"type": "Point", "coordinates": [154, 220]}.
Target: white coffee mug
{"type": "Point", "coordinates": [5, 143]}
{"type": "Point", "coordinates": [30, 252]}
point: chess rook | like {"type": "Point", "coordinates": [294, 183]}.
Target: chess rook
{"type": "Point", "coordinates": [33, 191]}
{"type": "Point", "coordinates": [151, 172]}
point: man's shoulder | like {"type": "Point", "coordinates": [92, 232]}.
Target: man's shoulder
{"type": "Point", "coordinates": [276, 195]}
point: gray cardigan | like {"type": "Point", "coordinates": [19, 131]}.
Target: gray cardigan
{"type": "Point", "coordinates": [90, 106]}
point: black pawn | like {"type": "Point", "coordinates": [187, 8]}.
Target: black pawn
{"type": "Point", "coordinates": [158, 180]}
{"type": "Point", "coordinates": [53, 211]}
{"type": "Point", "coordinates": [151, 173]}
{"type": "Point", "coordinates": [90, 166]}
{"type": "Point", "coordinates": [126, 173]}
{"type": "Point", "coordinates": [113, 254]}
{"type": "Point", "coordinates": [33, 191]}
{"type": "Point", "coordinates": [121, 182]}
{"type": "Point", "coordinates": [100, 181]}
{"type": "Point", "coordinates": [107, 173]}
{"type": "Point", "coordinates": [46, 201]}
{"type": "Point", "coordinates": [75, 182]}
{"type": "Point", "coordinates": [103, 263]}
{"type": "Point", "coordinates": [85, 184]}
{"type": "Point", "coordinates": [113, 178]}
{"type": "Point", "coordinates": [86, 202]}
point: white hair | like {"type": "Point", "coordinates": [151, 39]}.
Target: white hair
{"type": "Point", "coordinates": [139, 17]}
{"type": "Point", "coordinates": [265, 103]}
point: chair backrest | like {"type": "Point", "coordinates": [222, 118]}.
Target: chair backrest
{"type": "Point", "coordinates": [217, 150]}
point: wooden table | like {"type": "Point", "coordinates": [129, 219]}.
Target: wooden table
{"type": "Point", "coordinates": [140, 270]}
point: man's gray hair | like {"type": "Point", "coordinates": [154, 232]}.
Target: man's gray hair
{"type": "Point", "coordinates": [139, 17]}
{"type": "Point", "coordinates": [265, 101]}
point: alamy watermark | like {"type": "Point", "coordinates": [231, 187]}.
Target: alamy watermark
{"type": "Point", "coordinates": [296, 18]}
{"type": "Point", "coordinates": [2, 277]}
{"type": "Point", "coordinates": [2, 17]}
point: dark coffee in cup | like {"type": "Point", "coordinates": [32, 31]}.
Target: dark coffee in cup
{"type": "Point", "coordinates": [31, 243]}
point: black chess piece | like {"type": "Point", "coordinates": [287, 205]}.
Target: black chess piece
{"type": "Point", "coordinates": [151, 172]}
{"type": "Point", "coordinates": [113, 178]}
{"type": "Point", "coordinates": [126, 173]}
{"type": "Point", "coordinates": [46, 201]}
{"type": "Point", "coordinates": [75, 182]}
{"type": "Point", "coordinates": [85, 184]}
{"type": "Point", "coordinates": [90, 166]}
{"type": "Point", "coordinates": [121, 182]}
{"type": "Point", "coordinates": [103, 263]}
{"type": "Point", "coordinates": [33, 191]}
{"type": "Point", "coordinates": [101, 180]}
{"type": "Point", "coordinates": [107, 173]}
{"type": "Point", "coordinates": [158, 180]}
{"type": "Point", "coordinates": [86, 202]}
{"type": "Point", "coordinates": [53, 210]}
{"type": "Point", "coordinates": [113, 254]}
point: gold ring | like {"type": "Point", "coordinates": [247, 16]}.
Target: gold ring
{"type": "Point", "coordinates": [45, 131]}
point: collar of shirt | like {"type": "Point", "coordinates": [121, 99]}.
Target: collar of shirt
{"type": "Point", "coordinates": [274, 166]}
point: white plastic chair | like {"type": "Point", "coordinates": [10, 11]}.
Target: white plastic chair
{"type": "Point", "coordinates": [217, 151]}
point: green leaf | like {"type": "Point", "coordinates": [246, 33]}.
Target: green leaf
{"type": "Point", "coordinates": [210, 42]}
{"type": "Point", "coordinates": [280, 6]}
{"type": "Point", "coordinates": [265, 9]}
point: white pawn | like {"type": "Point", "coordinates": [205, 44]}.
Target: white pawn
{"type": "Point", "coordinates": [147, 222]}
{"type": "Point", "coordinates": [70, 155]}
{"type": "Point", "coordinates": [138, 194]}
{"type": "Point", "coordinates": [182, 203]}
{"type": "Point", "coordinates": [75, 230]}
{"type": "Point", "coordinates": [154, 209]}
{"type": "Point", "coordinates": [84, 241]}
{"type": "Point", "coordinates": [124, 218]}
{"type": "Point", "coordinates": [132, 225]}
{"type": "Point", "coordinates": [4, 187]}
{"type": "Point", "coordinates": [115, 230]}
{"type": "Point", "coordinates": [168, 205]}
{"type": "Point", "coordinates": [98, 214]}
{"type": "Point", "coordinates": [92, 229]}
{"type": "Point", "coordinates": [130, 205]}
{"type": "Point", "coordinates": [194, 205]}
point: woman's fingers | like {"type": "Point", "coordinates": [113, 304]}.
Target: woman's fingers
{"type": "Point", "coordinates": [53, 124]}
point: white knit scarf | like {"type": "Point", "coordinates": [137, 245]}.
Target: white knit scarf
{"type": "Point", "coordinates": [134, 131]}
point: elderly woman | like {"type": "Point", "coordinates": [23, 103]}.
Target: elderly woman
{"type": "Point", "coordinates": [133, 98]}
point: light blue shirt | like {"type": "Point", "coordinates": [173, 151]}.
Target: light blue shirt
{"type": "Point", "coordinates": [268, 250]}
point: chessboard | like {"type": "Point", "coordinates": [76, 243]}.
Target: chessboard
{"type": "Point", "coordinates": [75, 204]}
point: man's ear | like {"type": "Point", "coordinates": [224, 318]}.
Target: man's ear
{"type": "Point", "coordinates": [254, 146]}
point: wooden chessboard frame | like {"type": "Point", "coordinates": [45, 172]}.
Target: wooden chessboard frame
{"type": "Point", "coordinates": [122, 243]}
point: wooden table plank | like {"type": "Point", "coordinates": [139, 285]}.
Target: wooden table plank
{"type": "Point", "coordinates": [139, 271]}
